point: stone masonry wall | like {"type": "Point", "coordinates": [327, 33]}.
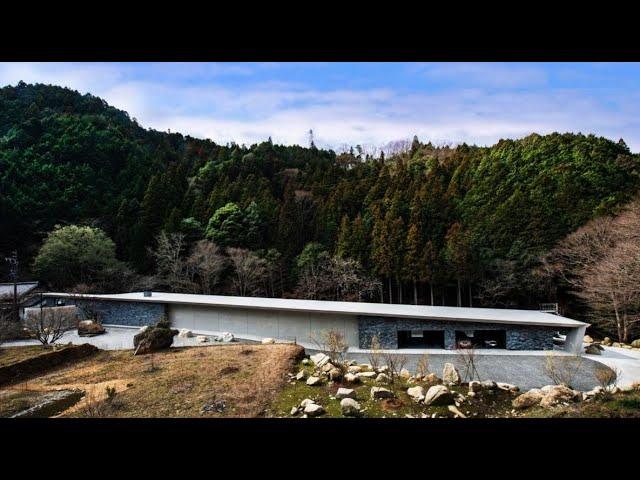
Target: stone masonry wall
{"type": "Point", "coordinates": [519, 337]}
{"type": "Point", "coordinates": [135, 314]}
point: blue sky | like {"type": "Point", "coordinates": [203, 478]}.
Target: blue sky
{"type": "Point", "coordinates": [370, 104]}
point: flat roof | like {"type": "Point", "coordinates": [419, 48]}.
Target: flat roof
{"type": "Point", "coordinates": [463, 314]}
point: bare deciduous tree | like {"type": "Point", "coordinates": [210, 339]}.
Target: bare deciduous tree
{"type": "Point", "coordinates": [375, 353]}
{"type": "Point", "coordinates": [333, 344]}
{"type": "Point", "coordinates": [468, 359]}
{"type": "Point", "coordinates": [49, 323]}
{"type": "Point", "coordinates": [205, 265]}
{"type": "Point", "coordinates": [249, 271]}
{"type": "Point", "coordinates": [171, 265]}
{"type": "Point", "coordinates": [562, 369]}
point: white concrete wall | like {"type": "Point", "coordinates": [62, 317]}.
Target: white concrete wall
{"type": "Point", "coordinates": [300, 326]}
{"type": "Point", "coordinates": [574, 339]}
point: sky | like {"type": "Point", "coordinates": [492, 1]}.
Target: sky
{"type": "Point", "coordinates": [370, 104]}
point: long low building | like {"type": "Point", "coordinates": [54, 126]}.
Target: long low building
{"type": "Point", "coordinates": [396, 326]}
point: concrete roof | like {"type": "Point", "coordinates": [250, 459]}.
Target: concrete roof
{"type": "Point", "coordinates": [464, 314]}
{"type": "Point", "coordinates": [6, 289]}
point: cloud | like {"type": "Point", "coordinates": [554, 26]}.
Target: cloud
{"type": "Point", "coordinates": [241, 103]}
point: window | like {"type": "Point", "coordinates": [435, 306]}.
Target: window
{"type": "Point", "coordinates": [420, 339]}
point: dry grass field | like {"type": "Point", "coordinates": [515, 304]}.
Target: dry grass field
{"type": "Point", "coordinates": [220, 381]}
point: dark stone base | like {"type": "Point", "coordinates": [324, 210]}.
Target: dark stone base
{"type": "Point", "coordinates": [519, 337]}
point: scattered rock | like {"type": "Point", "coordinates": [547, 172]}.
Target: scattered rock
{"type": "Point", "coordinates": [404, 373]}
{"type": "Point", "coordinates": [366, 366]}
{"type": "Point", "coordinates": [306, 402]}
{"type": "Point", "coordinates": [294, 411]}
{"type": "Point", "coordinates": [432, 378]}
{"type": "Point", "coordinates": [587, 339]}
{"type": "Point", "coordinates": [438, 395]}
{"type": "Point", "coordinates": [450, 374]}
{"type": "Point", "coordinates": [592, 349]}
{"type": "Point", "coordinates": [320, 359]}
{"type": "Point", "coordinates": [227, 337]}
{"type": "Point", "coordinates": [528, 399]}
{"type": "Point", "coordinates": [215, 406]}
{"type": "Point", "coordinates": [313, 410]}
{"type": "Point", "coordinates": [366, 374]}
{"type": "Point", "coordinates": [381, 392]}
{"type": "Point", "coordinates": [185, 333]}
{"type": "Point", "coordinates": [351, 378]}
{"type": "Point", "coordinates": [616, 344]}
{"type": "Point", "coordinates": [475, 386]}
{"type": "Point", "coordinates": [349, 407]}
{"type": "Point", "coordinates": [383, 378]}
{"type": "Point", "coordinates": [607, 341]}
{"type": "Point", "coordinates": [268, 340]}
{"type": "Point", "coordinates": [354, 369]}
{"type": "Point", "coordinates": [489, 385]}
{"type": "Point", "coordinates": [345, 393]}
{"type": "Point", "coordinates": [453, 409]}
{"type": "Point", "coordinates": [559, 394]}
{"type": "Point", "coordinates": [417, 393]}
{"type": "Point", "coordinates": [383, 369]}
{"type": "Point", "coordinates": [202, 339]}
{"type": "Point", "coordinates": [313, 381]}
{"type": "Point", "coordinates": [306, 361]}
{"type": "Point", "coordinates": [89, 328]}
{"type": "Point", "coordinates": [508, 387]}
{"type": "Point", "coordinates": [636, 343]}
{"type": "Point", "coordinates": [301, 375]}
{"type": "Point", "coordinates": [327, 367]}
{"type": "Point", "coordinates": [335, 374]}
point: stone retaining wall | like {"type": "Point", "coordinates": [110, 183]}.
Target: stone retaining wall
{"type": "Point", "coordinates": [519, 337]}
{"type": "Point", "coordinates": [109, 312]}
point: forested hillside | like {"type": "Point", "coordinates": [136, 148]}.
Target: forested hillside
{"type": "Point", "coordinates": [464, 225]}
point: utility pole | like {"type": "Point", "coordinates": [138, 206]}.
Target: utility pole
{"type": "Point", "coordinates": [13, 273]}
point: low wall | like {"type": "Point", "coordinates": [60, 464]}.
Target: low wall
{"type": "Point", "coordinates": [519, 337]}
{"type": "Point", "coordinates": [109, 312]}
{"type": "Point", "coordinates": [44, 362]}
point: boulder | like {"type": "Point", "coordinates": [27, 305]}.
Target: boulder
{"type": "Point", "coordinates": [607, 342]}
{"type": "Point", "coordinates": [88, 328]}
{"type": "Point", "coordinates": [153, 339]}
{"type": "Point", "coordinates": [306, 361]}
{"type": "Point", "coordinates": [320, 359]}
{"type": "Point", "coordinates": [268, 341]}
{"type": "Point", "coordinates": [294, 411]}
{"type": "Point", "coordinates": [313, 410]}
{"type": "Point", "coordinates": [366, 366]}
{"type": "Point", "coordinates": [450, 374]}
{"type": "Point", "coordinates": [202, 339]}
{"type": "Point", "coordinates": [366, 374]}
{"type": "Point", "coordinates": [528, 399]}
{"type": "Point", "coordinates": [185, 333]}
{"type": "Point", "coordinates": [327, 367]}
{"type": "Point", "coordinates": [301, 375]}
{"type": "Point", "coordinates": [559, 394]}
{"type": "Point", "coordinates": [313, 381]}
{"type": "Point", "coordinates": [383, 369]}
{"type": "Point", "coordinates": [381, 392]}
{"type": "Point", "coordinates": [616, 344]}
{"type": "Point", "coordinates": [432, 379]}
{"type": "Point", "coordinates": [508, 387]}
{"type": "Point", "coordinates": [636, 343]}
{"type": "Point", "coordinates": [349, 407]}
{"type": "Point", "coordinates": [383, 378]}
{"type": "Point", "coordinates": [306, 402]}
{"type": "Point", "coordinates": [351, 378]}
{"type": "Point", "coordinates": [354, 369]}
{"type": "Point", "coordinates": [417, 393]}
{"type": "Point", "coordinates": [587, 339]}
{"type": "Point", "coordinates": [404, 373]}
{"type": "Point", "coordinates": [345, 393]}
{"type": "Point", "coordinates": [227, 337]}
{"type": "Point", "coordinates": [438, 395]}
{"type": "Point", "coordinates": [592, 349]}
{"type": "Point", "coordinates": [489, 385]}
{"type": "Point", "coordinates": [453, 409]}
{"type": "Point", "coordinates": [475, 386]}
{"type": "Point", "coordinates": [335, 374]}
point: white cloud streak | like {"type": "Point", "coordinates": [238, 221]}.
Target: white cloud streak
{"type": "Point", "coordinates": [498, 106]}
